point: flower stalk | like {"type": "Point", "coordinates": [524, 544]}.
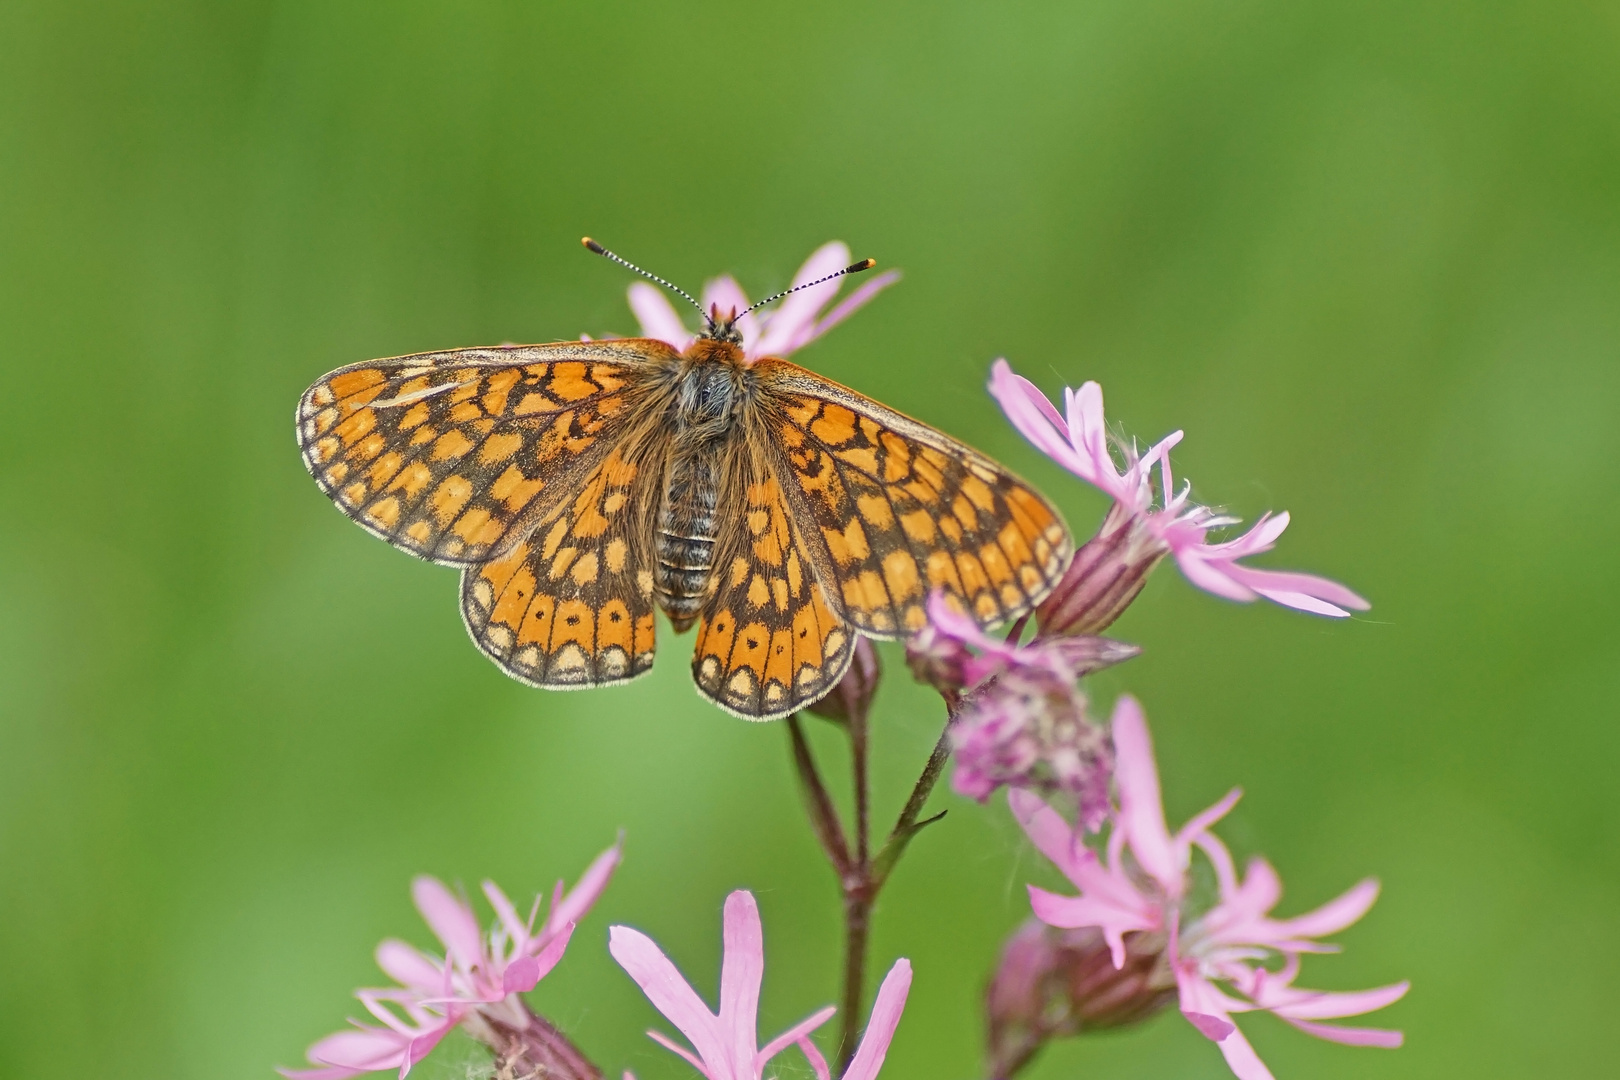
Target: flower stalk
{"type": "Point", "coordinates": [861, 876]}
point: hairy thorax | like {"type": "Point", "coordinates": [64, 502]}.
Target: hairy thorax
{"type": "Point", "coordinates": [709, 389]}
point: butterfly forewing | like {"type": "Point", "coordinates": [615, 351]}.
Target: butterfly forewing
{"type": "Point", "coordinates": [453, 456]}
{"type": "Point", "coordinates": [768, 643]}
{"type": "Point", "coordinates": [572, 605]}
{"type": "Point", "coordinates": [903, 510]}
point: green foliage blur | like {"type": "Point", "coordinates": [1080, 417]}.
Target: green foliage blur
{"type": "Point", "coordinates": [1367, 255]}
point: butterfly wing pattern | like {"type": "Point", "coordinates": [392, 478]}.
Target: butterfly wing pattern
{"type": "Point", "coordinates": [903, 510]}
{"type": "Point", "coordinates": [572, 605]}
{"type": "Point", "coordinates": [453, 456]}
{"type": "Point", "coordinates": [768, 643]}
{"type": "Point", "coordinates": [506, 462]}
{"type": "Point", "coordinates": [541, 471]}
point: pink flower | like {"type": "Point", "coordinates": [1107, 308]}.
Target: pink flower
{"type": "Point", "coordinates": [1225, 944]}
{"type": "Point", "coordinates": [477, 974]}
{"type": "Point", "coordinates": [726, 1043]}
{"type": "Point", "coordinates": [775, 332]}
{"type": "Point", "coordinates": [1166, 520]}
{"type": "Point", "coordinates": [1023, 720]}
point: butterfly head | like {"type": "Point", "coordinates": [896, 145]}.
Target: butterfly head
{"type": "Point", "coordinates": [724, 329]}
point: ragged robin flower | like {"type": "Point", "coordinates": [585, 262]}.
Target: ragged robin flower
{"type": "Point", "coordinates": [475, 985]}
{"type": "Point", "coordinates": [1022, 718]}
{"type": "Point", "coordinates": [725, 1044]}
{"type": "Point", "coordinates": [778, 331]}
{"type": "Point", "coordinates": [1217, 955]}
{"type": "Point", "coordinates": [1145, 525]}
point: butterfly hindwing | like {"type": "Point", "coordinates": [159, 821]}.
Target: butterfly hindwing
{"type": "Point", "coordinates": [453, 456]}
{"type": "Point", "coordinates": [572, 605]}
{"type": "Point", "coordinates": [904, 510]}
{"type": "Point", "coordinates": [768, 643]}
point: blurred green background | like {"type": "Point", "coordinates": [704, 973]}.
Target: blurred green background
{"type": "Point", "coordinates": [1367, 255]}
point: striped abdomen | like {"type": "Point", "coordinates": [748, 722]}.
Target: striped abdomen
{"type": "Point", "coordinates": [686, 528]}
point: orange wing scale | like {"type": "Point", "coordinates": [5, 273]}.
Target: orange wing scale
{"type": "Point", "coordinates": [903, 510]}
{"type": "Point", "coordinates": [769, 643]}
{"type": "Point", "coordinates": [452, 456]}
{"type": "Point", "coordinates": [572, 605]}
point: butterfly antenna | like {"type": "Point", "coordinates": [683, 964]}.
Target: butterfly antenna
{"type": "Point", "coordinates": [853, 268]}
{"type": "Point", "coordinates": [592, 245]}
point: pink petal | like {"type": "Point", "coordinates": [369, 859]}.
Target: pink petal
{"type": "Point", "coordinates": [1049, 832]}
{"type": "Point", "coordinates": [817, 1062]}
{"type": "Point", "coordinates": [450, 919]}
{"type": "Point", "coordinates": [1073, 912]}
{"type": "Point", "coordinates": [1297, 584]}
{"type": "Point", "coordinates": [1258, 894]}
{"type": "Point", "coordinates": [1262, 536]}
{"type": "Point", "coordinates": [1201, 823]}
{"type": "Point", "coordinates": [1241, 1058]}
{"type": "Point", "coordinates": [1210, 1027]}
{"type": "Point", "coordinates": [373, 1003]}
{"type": "Point", "coordinates": [1349, 1036]}
{"type": "Point", "coordinates": [1212, 577]}
{"type": "Point", "coordinates": [742, 969]}
{"type": "Point", "coordinates": [1334, 915]}
{"type": "Point", "coordinates": [1035, 419]}
{"type": "Point", "coordinates": [592, 882]}
{"type": "Point", "coordinates": [657, 315]}
{"type": "Point", "coordinates": [667, 990]}
{"type": "Point", "coordinates": [1301, 602]}
{"type": "Point", "coordinates": [408, 967]}
{"type": "Point", "coordinates": [886, 1010]}
{"type": "Point", "coordinates": [1141, 813]}
{"type": "Point", "coordinates": [367, 1049]}
{"type": "Point", "coordinates": [1225, 873]}
{"type": "Point", "coordinates": [1200, 999]}
{"type": "Point", "coordinates": [516, 928]}
{"type": "Point", "coordinates": [549, 956]}
{"type": "Point", "coordinates": [798, 1033]}
{"type": "Point", "coordinates": [674, 1047]}
{"type": "Point", "coordinates": [520, 975]}
{"type": "Point", "coordinates": [1103, 886]}
{"type": "Point", "coordinates": [794, 317]}
{"type": "Point", "coordinates": [1332, 1004]}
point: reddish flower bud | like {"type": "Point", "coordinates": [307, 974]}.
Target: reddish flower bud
{"type": "Point", "coordinates": [1103, 578]}
{"type": "Point", "coordinates": [1053, 983]}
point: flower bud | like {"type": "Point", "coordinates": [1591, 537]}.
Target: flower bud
{"type": "Point", "coordinates": [1103, 578]}
{"type": "Point", "coordinates": [1053, 983]}
{"type": "Point", "coordinates": [1030, 728]}
{"type": "Point", "coordinates": [852, 697]}
{"type": "Point", "coordinates": [939, 658]}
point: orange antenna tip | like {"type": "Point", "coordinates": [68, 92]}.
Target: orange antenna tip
{"type": "Point", "coordinates": [592, 245]}
{"type": "Point", "coordinates": [864, 264]}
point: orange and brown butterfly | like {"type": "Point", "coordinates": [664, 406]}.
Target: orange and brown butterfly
{"type": "Point", "coordinates": [583, 485]}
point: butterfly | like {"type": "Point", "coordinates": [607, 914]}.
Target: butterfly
{"type": "Point", "coordinates": [581, 486]}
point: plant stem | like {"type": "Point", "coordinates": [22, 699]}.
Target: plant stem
{"type": "Point", "coordinates": [819, 804]}
{"type": "Point", "coordinates": [860, 876]}
{"type": "Point", "coordinates": [857, 754]}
